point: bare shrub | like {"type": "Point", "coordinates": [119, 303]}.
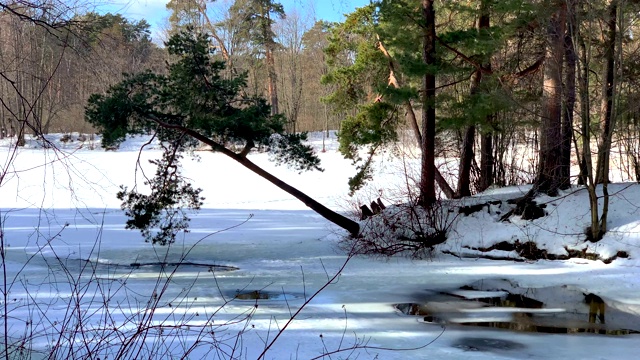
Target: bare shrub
{"type": "Point", "coordinates": [107, 314]}
{"type": "Point", "coordinates": [407, 229]}
{"type": "Point", "coordinates": [85, 308]}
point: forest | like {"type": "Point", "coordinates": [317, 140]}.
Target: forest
{"type": "Point", "coordinates": [510, 91]}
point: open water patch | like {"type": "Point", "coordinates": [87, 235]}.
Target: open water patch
{"type": "Point", "coordinates": [487, 344]}
{"type": "Point", "coordinates": [504, 305]}
{"type": "Point", "coordinates": [183, 265]}
{"type": "Point", "coordinates": [262, 295]}
{"type": "Point", "coordinates": [106, 266]}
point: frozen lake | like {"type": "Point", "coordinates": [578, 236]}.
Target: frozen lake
{"type": "Point", "coordinates": [79, 285]}
{"type": "Point", "coordinates": [282, 258]}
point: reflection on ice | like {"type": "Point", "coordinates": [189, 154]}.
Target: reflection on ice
{"type": "Point", "coordinates": [502, 304]}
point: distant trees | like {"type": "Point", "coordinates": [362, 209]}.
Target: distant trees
{"type": "Point", "coordinates": [52, 59]}
{"type": "Point", "coordinates": [257, 18]}
{"type": "Point", "coordinates": [237, 32]}
{"type": "Point", "coordinates": [186, 14]}
{"type": "Point", "coordinates": [106, 47]}
{"type": "Point", "coordinates": [31, 46]}
{"type": "Point", "coordinates": [315, 113]}
{"type": "Point", "coordinates": [290, 65]}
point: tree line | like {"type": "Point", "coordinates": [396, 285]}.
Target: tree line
{"type": "Point", "coordinates": [83, 54]}
{"type": "Point", "coordinates": [50, 63]}
{"type": "Point", "coordinates": [487, 82]}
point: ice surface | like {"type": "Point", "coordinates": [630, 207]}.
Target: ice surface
{"type": "Point", "coordinates": [65, 243]}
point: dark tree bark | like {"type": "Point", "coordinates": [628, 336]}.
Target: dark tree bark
{"type": "Point", "coordinates": [486, 160]}
{"type": "Point", "coordinates": [351, 226]}
{"type": "Point", "coordinates": [569, 93]}
{"type": "Point", "coordinates": [466, 160]}
{"type": "Point", "coordinates": [427, 178]}
{"type": "Point", "coordinates": [486, 144]}
{"type": "Point", "coordinates": [604, 145]}
{"type": "Point", "coordinates": [608, 125]}
{"type": "Point", "coordinates": [586, 166]}
{"type": "Point", "coordinates": [550, 177]}
{"type": "Point", "coordinates": [468, 153]}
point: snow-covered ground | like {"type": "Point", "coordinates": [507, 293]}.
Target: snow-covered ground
{"type": "Point", "coordinates": [68, 267]}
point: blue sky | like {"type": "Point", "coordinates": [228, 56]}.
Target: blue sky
{"type": "Point", "coordinates": [155, 12]}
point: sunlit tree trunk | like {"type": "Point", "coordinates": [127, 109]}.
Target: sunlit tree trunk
{"type": "Point", "coordinates": [583, 153]}
{"type": "Point", "coordinates": [550, 177]}
{"type": "Point", "coordinates": [271, 70]}
{"type": "Point", "coordinates": [607, 117]}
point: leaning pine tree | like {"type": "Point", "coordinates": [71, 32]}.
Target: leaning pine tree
{"type": "Point", "coordinates": [193, 103]}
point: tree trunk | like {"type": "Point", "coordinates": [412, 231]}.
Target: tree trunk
{"type": "Point", "coordinates": [427, 175]}
{"type": "Point", "coordinates": [569, 93]}
{"type": "Point", "coordinates": [550, 176]}
{"type": "Point", "coordinates": [586, 166]}
{"type": "Point", "coordinates": [486, 143]}
{"type": "Point", "coordinates": [466, 160]}
{"type": "Point", "coordinates": [273, 86]}
{"type": "Point", "coordinates": [468, 154]}
{"type": "Point", "coordinates": [604, 145]}
{"type": "Point", "coordinates": [586, 173]}
{"type": "Point", "coordinates": [447, 190]}
{"type": "Point", "coordinates": [609, 117]}
{"type": "Point", "coordinates": [351, 226]}
{"type": "Point", "coordinates": [271, 68]}
{"type": "Point", "coordinates": [413, 121]}
{"type": "Point", "coordinates": [486, 160]}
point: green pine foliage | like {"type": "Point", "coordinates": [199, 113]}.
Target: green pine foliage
{"type": "Point", "coordinates": [185, 14]}
{"type": "Point", "coordinates": [257, 18]}
{"type": "Point", "coordinates": [192, 96]}
{"type": "Point", "coordinates": [359, 73]}
{"type": "Point", "coordinates": [375, 109]}
{"type": "Point", "coordinates": [161, 215]}
{"type": "Point", "coordinates": [288, 148]}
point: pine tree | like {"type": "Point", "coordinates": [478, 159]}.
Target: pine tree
{"type": "Point", "coordinates": [192, 103]}
{"type": "Point", "coordinates": [384, 78]}
{"type": "Point", "coordinates": [427, 173]}
{"type": "Point", "coordinates": [186, 13]}
{"type": "Point", "coordinates": [258, 19]}
{"type": "Point", "coordinates": [550, 174]}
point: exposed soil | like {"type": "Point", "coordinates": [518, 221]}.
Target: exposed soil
{"type": "Point", "coordinates": [529, 250]}
{"type": "Point", "coordinates": [526, 208]}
